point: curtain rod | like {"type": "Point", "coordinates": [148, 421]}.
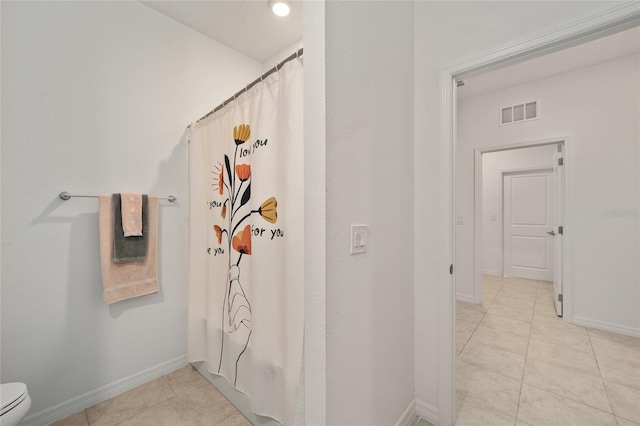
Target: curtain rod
{"type": "Point", "coordinates": [294, 55]}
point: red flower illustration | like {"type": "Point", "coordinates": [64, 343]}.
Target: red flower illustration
{"type": "Point", "coordinates": [243, 171]}
{"type": "Point", "coordinates": [242, 241]}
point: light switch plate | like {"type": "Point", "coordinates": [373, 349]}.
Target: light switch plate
{"type": "Point", "coordinates": [359, 238]}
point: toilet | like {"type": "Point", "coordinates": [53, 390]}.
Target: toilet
{"type": "Point", "coordinates": [15, 403]}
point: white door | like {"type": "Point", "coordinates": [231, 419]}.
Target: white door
{"type": "Point", "coordinates": [528, 199]}
{"type": "Point", "coordinates": [556, 233]}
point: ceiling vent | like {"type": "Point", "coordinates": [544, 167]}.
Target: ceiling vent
{"type": "Point", "coordinates": [519, 113]}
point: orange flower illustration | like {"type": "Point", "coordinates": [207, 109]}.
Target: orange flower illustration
{"type": "Point", "coordinates": [242, 241]}
{"type": "Point", "coordinates": [241, 133]}
{"type": "Point", "coordinates": [243, 171]}
{"type": "Point", "coordinates": [221, 181]}
{"type": "Point", "coordinates": [269, 210]}
{"type": "Point", "coordinates": [223, 213]}
{"type": "Point", "coordinates": [218, 233]}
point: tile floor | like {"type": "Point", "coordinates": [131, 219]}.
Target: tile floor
{"type": "Point", "coordinates": [180, 398]}
{"type": "Point", "coordinates": [519, 364]}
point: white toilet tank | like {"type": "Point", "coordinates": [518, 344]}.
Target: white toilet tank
{"type": "Point", "coordinates": [15, 403]}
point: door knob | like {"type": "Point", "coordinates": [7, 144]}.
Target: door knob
{"type": "Point", "coordinates": [552, 233]}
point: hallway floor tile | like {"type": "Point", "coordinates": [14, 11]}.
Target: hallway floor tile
{"type": "Point", "coordinates": [519, 364]}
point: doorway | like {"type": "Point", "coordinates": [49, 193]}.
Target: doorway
{"type": "Point", "coordinates": [449, 215]}
{"type": "Point", "coordinates": [514, 213]}
{"type": "Point", "coordinates": [536, 252]}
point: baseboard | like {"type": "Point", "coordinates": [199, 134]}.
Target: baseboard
{"type": "Point", "coordinates": [408, 415]}
{"type": "Point", "coordinates": [427, 412]}
{"type": "Point", "coordinates": [491, 272]}
{"type": "Point", "coordinates": [463, 298]}
{"type": "Point", "coordinates": [79, 403]}
{"type": "Point", "coordinates": [606, 326]}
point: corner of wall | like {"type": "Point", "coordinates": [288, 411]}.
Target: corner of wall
{"type": "Point", "coordinates": [315, 357]}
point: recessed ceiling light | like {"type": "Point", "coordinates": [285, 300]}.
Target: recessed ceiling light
{"type": "Point", "coordinates": [279, 7]}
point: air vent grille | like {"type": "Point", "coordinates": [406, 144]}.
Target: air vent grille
{"type": "Point", "coordinates": [519, 113]}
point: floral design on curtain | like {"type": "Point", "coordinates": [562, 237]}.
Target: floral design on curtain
{"type": "Point", "coordinates": [246, 243]}
{"type": "Point", "coordinates": [234, 184]}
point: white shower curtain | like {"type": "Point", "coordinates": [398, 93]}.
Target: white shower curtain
{"type": "Point", "coordinates": [246, 242]}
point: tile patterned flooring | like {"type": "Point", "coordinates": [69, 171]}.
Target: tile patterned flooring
{"type": "Point", "coordinates": [180, 398]}
{"type": "Point", "coordinates": [518, 364]}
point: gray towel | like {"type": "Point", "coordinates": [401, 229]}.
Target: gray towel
{"type": "Point", "coordinates": [128, 249]}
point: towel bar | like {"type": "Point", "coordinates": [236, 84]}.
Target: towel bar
{"type": "Point", "coordinates": [64, 195]}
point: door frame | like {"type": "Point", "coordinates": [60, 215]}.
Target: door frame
{"type": "Point", "coordinates": [614, 19]}
{"type": "Point", "coordinates": [477, 202]}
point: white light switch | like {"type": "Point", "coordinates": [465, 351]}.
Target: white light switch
{"type": "Point", "coordinates": [359, 238]}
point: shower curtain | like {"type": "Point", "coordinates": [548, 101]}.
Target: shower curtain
{"type": "Point", "coordinates": [246, 242]}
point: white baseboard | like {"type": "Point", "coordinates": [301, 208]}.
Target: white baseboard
{"type": "Point", "coordinates": [464, 298]}
{"type": "Point", "coordinates": [79, 403]}
{"type": "Point", "coordinates": [408, 415]}
{"type": "Point", "coordinates": [606, 326]}
{"type": "Point", "coordinates": [427, 412]}
{"type": "Point", "coordinates": [491, 272]}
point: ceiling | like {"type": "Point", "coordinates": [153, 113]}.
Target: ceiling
{"type": "Point", "coordinates": [248, 27]}
{"type": "Point", "coordinates": [593, 52]}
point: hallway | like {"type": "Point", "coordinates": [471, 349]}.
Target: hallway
{"type": "Point", "coordinates": [519, 364]}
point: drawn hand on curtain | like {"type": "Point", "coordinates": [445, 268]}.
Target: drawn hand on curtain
{"type": "Point", "coordinates": [234, 184]}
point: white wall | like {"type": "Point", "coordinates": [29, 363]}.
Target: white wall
{"type": "Point", "coordinates": [598, 108]}
{"type": "Point", "coordinates": [95, 99]}
{"type": "Point", "coordinates": [493, 163]}
{"type": "Point", "coordinates": [369, 180]}
{"type": "Point", "coordinates": [282, 55]}
{"type": "Point", "coordinates": [447, 32]}
{"type": "Point", "coordinates": [315, 224]}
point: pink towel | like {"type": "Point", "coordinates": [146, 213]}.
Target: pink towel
{"type": "Point", "coordinates": [131, 206]}
{"type": "Point", "coordinates": [132, 279]}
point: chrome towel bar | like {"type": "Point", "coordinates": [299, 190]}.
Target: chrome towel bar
{"type": "Point", "coordinates": [64, 195]}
